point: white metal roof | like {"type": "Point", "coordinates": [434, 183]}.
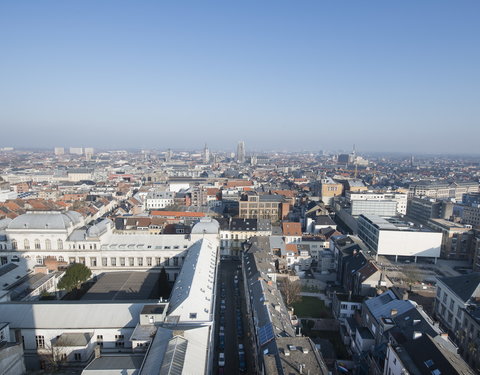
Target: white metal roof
{"type": "Point", "coordinates": [192, 294]}
{"type": "Point", "coordinates": [59, 315]}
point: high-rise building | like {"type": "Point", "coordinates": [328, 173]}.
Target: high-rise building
{"type": "Point", "coordinates": [88, 153]}
{"type": "Point", "coordinates": [241, 152]}
{"type": "Point", "coordinates": [206, 154]}
{"type": "Point", "coordinates": [59, 151]}
{"type": "Point", "coordinates": [168, 155]}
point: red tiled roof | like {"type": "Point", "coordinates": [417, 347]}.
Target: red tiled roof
{"type": "Point", "coordinates": [177, 214]}
{"type": "Point", "coordinates": [292, 229]}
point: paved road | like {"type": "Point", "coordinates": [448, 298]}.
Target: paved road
{"type": "Point", "coordinates": [233, 300]}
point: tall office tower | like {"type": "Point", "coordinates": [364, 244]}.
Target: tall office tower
{"type": "Point", "coordinates": [88, 153]}
{"type": "Point", "coordinates": [168, 156]}
{"type": "Point", "coordinates": [241, 152]}
{"type": "Point", "coordinates": [206, 154]}
{"type": "Point", "coordinates": [59, 151]}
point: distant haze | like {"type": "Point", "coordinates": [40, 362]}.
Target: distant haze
{"type": "Point", "coordinates": [287, 75]}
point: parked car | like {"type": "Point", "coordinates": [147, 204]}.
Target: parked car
{"type": "Point", "coordinates": [221, 359]}
{"type": "Point", "coordinates": [242, 363]}
{"type": "Point", "coordinates": [221, 341]}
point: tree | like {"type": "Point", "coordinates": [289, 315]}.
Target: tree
{"type": "Point", "coordinates": [412, 275]}
{"type": "Point", "coordinates": [291, 290]}
{"type": "Point", "coordinates": [54, 356]}
{"type": "Point", "coordinates": [74, 276]}
{"type": "Point", "coordinates": [163, 283]}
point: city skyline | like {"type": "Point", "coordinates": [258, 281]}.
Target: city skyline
{"type": "Point", "coordinates": [390, 77]}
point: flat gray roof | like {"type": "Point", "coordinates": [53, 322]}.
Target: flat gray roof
{"type": "Point", "coordinates": [117, 286]}
{"type": "Point", "coordinates": [116, 362]}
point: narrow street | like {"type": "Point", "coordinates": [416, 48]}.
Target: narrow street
{"type": "Point", "coordinates": [231, 324]}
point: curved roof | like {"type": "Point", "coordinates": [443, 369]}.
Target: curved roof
{"type": "Point", "coordinates": [99, 228]}
{"type": "Point", "coordinates": [46, 220]}
{"type": "Point", "coordinates": [206, 225]}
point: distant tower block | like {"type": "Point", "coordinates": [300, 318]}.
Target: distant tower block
{"type": "Point", "coordinates": [59, 151]}
{"type": "Point", "coordinates": [206, 154]}
{"type": "Point", "coordinates": [76, 150]}
{"type": "Point", "coordinates": [241, 152]}
{"type": "Point", "coordinates": [168, 155]}
{"type": "Point", "coordinates": [88, 153]}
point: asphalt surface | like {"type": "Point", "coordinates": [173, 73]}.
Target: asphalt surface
{"type": "Point", "coordinates": [233, 311]}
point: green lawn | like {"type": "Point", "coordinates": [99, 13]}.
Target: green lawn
{"type": "Point", "coordinates": [311, 307]}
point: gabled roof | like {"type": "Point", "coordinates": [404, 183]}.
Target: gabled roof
{"type": "Point", "coordinates": [434, 355]}
{"type": "Point", "coordinates": [292, 229]}
{"type": "Point", "coordinates": [464, 286]}
{"type": "Point", "coordinates": [382, 305]}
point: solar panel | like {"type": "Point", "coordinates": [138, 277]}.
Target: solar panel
{"type": "Point", "coordinates": [265, 334]}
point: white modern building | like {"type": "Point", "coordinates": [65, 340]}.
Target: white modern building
{"type": "Point", "coordinates": [395, 238]}
{"type": "Point", "coordinates": [380, 201]}
{"type": "Point", "coordinates": [155, 200]}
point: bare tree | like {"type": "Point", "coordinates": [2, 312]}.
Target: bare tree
{"type": "Point", "coordinates": [291, 290]}
{"type": "Point", "coordinates": [54, 355]}
{"type": "Point", "coordinates": [411, 274]}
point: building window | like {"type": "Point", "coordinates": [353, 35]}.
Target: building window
{"type": "Point", "coordinates": [113, 262]}
{"type": "Point", "coordinates": [119, 341]}
{"type": "Point", "coordinates": [104, 262]}
{"type": "Point", "coordinates": [158, 261]}
{"type": "Point", "coordinates": [14, 245]}
{"type": "Point", "coordinates": [140, 262]}
{"type": "Point", "coordinates": [78, 356]}
{"type": "Point", "coordinates": [71, 260]}
{"type": "Point", "coordinates": [37, 244]}
{"type": "Point", "coordinates": [60, 244]}
{"type": "Point", "coordinates": [93, 262]}
{"type": "Point", "coordinates": [122, 262]}
{"type": "Point", "coordinates": [131, 262]}
{"type": "Point", "coordinates": [175, 261]}
{"type": "Point", "coordinates": [48, 244]}
{"type": "Point", "coordinates": [149, 261]}
{"type": "Point", "coordinates": [26, 244]}
{"type": "Point", "coordinates": [39, 260]}
{"type": "Point", "coordinates": [40, 341]}
{"type": "Point", "coordinates": [167, 261]}
{"type": "Point", "coordinates": [193, 315]}
{"type": "Point", "coordinates": [81, 260]}
{"type": "Point", "coordinates": [61, 259]}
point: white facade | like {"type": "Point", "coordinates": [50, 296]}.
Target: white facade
{"type": "Point", "coordinates": [386, 238]}
{"type": "Point", "coordinates": [155, 200]}
{"type": "Point", "coordinates": [393, 363]}
{"type": "Point", "coordinates": [33, 237]}
{"type": "Point", "coordinates": [449, 307]}
{"type": "Point", "coordinates": [400, 199]}
{"type": "Point", "coordinates": [406, 243]}
{"type": "Point", "coordinates": [76, 150]}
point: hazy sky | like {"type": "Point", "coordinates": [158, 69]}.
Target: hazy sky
{"type": "Point", "coordinates": [286, 75]}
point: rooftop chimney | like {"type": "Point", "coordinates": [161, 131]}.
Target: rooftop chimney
{"type": "Point", "coordinates": [393, 312]}
{"type": "Point", "coordinates": [97, 351]}
{"type": "Point", "coordinates": [417, 335]}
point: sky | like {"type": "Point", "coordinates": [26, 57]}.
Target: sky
{"type": "Point", "coordinates": [281, 75]}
